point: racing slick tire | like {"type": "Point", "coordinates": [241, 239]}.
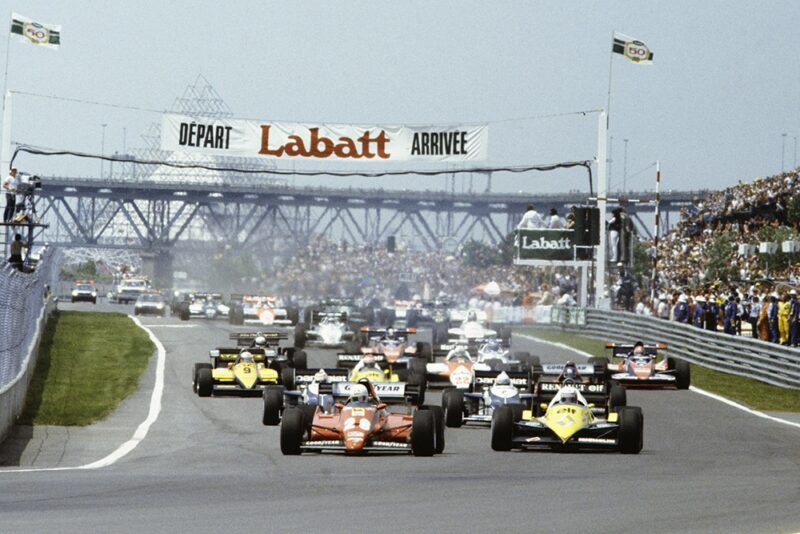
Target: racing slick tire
{"type": "Point", "coordinates": [502, 428]}
{"type": "Point", "coordinates": [273, 405]}
{"type": "Point", "coordinates": [425, 351]}
{"type": "Point", "coordinates": [184, 316]}
{"type": "Point", "coordinates": [423, 433]}
{"type": "Point", "coordinates": [600, 367]}
{"type": "Point", "coordinates": [352, 347]}
{"type": "Point", "coordinates": [205, 382]}
{"type": "Point", "coordinates": [196, 369]}
{"type": "Point", "coordinates": [300, 336]}
{"type": "Point", "coordinates": [453, 404]}
{"type": "Point", "coordinates": [300, 359]}
{"type": "Point", "coordinates": [617, 396]}
{"type": "Point", "coordinates": [505, 336]}
{"type": "Point", "coordinates": [630, 435]}
{"type": "Point", "coordinates": [293, 427]}
{"type": "Point", "coordinates": [309, 412]}
{"type": "Point", "coordinates": [682, 373]}
{"type": "Point", "coordinates": [438, 418]}
{"type": "Point", "coordinates": [518, 409]}
{"type": "Point", "coordinates": [287, 377]}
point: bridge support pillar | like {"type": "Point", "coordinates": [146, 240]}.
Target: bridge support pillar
{"type": "Point", "coordinates": [157, 265]}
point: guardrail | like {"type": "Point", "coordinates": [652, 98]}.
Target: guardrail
{"type": "Point", "coordinates": [752, 358]}
{"type": "Point", "coordinates": [25, 305]}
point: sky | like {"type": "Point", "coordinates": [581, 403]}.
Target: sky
{"type": "Point", "coordinates": [712, 108]}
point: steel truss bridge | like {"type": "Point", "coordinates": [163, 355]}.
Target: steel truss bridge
{"type": "Point", "coordinates": [160, 216]}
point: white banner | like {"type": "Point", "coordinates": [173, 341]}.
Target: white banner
{"type": "Point", "coordinates": [338, 142]}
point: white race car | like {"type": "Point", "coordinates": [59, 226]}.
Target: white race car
{"type": "Point", "coordinates": [492, 390]}
{"type": "Point", "coordinates": [332, 330]}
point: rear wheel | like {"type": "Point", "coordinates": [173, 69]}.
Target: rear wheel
{"type": "Point", "coordinates": [682, 373]}
{"type": "Point", "coordinates": [440, 334]}
{"type": "Point", "coordinates": [184, 314]}
{"type": "Point", "coordinates": [273, 405]}
{"type": "Point", "coordinates": [205, 382]}
{"type": "Point", "coordinates": [352, 347]}
{"type": "Point", "coordinates": [300, 359]}
{"type": "Point", "coordinates": [617, 396]}
{"type": "Point", "coordinates": [292, 429]}
{"type": "Point", "coordinates": [600, 367]}
{"type": "Point", "coordinates": [502, 428]}
{"type": "Point", "coordinates": [425, 351]}
{"type": "Point", "coordinates": [438, 418]}
{"type": "Point", "coordinates": [453, 401]}
{"type": "Point", "coordinates": [505, 336]}
{"type": "Point", "coordinates": [423, 433]}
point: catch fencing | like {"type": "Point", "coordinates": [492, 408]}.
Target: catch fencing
{"type": "Point", "coordinates": [752, 358]}
{"type": "Point", "coordinates": [25, 304]}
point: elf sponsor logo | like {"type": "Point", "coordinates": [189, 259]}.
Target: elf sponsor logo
{"type": "Point", "coordinates": [591, 388]}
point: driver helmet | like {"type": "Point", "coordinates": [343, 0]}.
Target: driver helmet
{"type": "Point", "coordinates": [493, 346]}
{"type": "Point", "coordinates": [369, 360]}
{"type": "Point", "coordinates": [472, 316]}
{"type": "Point", "coordinates": [569, 395]}
{"type": "Point", "coordinates": [503, 379]}
{"type": "Point", "coordinates": [246, 356]}
{"type": "Point", "coordinates": [570, 370]}
{"type": "Point", "coordinates": [260, 340]}
{"type": "Point", "coordinates": [638, 348]}
{"type": "Point", "coordinates": [359, 393]}
{"type": "Point", "coordinates": [460, 352]}
{"type": "Point", "coordinates": [390, 333]}
{"type": "Point", "coordinates": [320, 376]}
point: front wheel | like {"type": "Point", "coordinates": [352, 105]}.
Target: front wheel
{"type": "Point", "coordinates": [617, 396]}
{"type": "Point", "coordinates": [205, 382]}
{"type": "Point", "coordinates": [453, 401]}
{"type": "Point", "coordinates": [682, 372]}
{"type": "Point", "coordinates": [438, 418]}
{"type": "Point", "coordinates": [502, 428]}
{"type": "Point", "coordinates": [300, 359]}
{"type": "Point", "coordinates": [630, 436]}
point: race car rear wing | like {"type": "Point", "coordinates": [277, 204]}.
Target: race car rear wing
{"type": "Point", "coordinates": [230, 354]}
{"type": "Point", "coordinates": [555, 369]}
{"type": "Point", "coordinates": [488, 379]}
{"type": "Point", "coordinates": [621, 350]}
{"type": "Point", "coordinates": [388, 392]}
{"type": "Point", "coordinates": [306, 376]}
{"type": "Point", "coordinates": [351, 359]}
{"type": "Point", "coordinates": [319, 315]}
{"type": "Point", "coordinates": [244, 339]}
{"type": "Point", "coordinates": [399, 332]}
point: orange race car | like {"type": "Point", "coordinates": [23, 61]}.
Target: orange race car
{"type": "Point", "coordinates": [360, 421]}
{"type": "Point", "coordinates": [640, 366]}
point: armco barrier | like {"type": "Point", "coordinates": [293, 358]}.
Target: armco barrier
{"type": "Point", "coordinates": [738, 355]}
{"type": "Point", "coordinates": [25, 305]}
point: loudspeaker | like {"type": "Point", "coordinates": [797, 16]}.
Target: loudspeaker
{"type": "Point", "coordinates": [587, 226]}
{"type": "Point", "coordinates": [390, 243]}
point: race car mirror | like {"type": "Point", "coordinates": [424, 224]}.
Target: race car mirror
{"type": "Point", "coordinates": [381, 406]}
{"type": "Point", "coordinates": [338, 405]}
{"type": "Point", "coordinates": [543, 406]}
{"type": "Point", "coordinates": [590, 406]}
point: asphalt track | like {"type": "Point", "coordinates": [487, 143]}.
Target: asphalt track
{"type": "Point", "coordinates": [208, 465]}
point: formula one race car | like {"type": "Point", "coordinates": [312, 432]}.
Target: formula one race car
{"type": "Point", "coordinates": [641, 368]}
{"type": "Point", "coordinates": [258, 309]}
{"type": "Point", "coordinates": [492, 390]}
{"type": "Point", "coordinates": [459, 370]}
{"type": "Point", "coordinates": [203, 306]}
{"type": "Point", "coordinates": [300, 389]}
{"type": "Point", "coordinates": [365, 417]}
{"type": "Point", "coordinates": [589, 379]}
{"type": "Point", "coordinates": [328, 329]}
{"type": "Point", "coordinates": [247, 369]}
{"type": "Point", "coordinates": [391, 348]}
{"type": "Point", "coordinates": [500, 358]}
{"type": "Point", "coordinates": [568, 423]}
{"type": "Point", "coordinates": [472, 333]}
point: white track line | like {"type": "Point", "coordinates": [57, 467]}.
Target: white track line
{"type": "Point", "coordinates": [691, 388]}
{"type": "Point", "coordinates": [141, 430]}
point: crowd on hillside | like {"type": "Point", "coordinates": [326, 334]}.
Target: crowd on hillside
{"type": "Point", "coordinates": [687, 291]}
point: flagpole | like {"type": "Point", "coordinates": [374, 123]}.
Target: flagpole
{"type": "Point", "coordinates": [610, 64]}
{"type": "Point", "coordinates": [655, 230]}
{"type": "Point", "coordinates": [5, 73]}
{"type": "Point", "coordinates": [5, 141]}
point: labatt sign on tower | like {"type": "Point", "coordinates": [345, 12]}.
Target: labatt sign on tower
{"type": "Point", "coordinates": [338, 142]}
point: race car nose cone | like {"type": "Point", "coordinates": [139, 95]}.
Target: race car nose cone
{"type": "Point", "coordinates": [354, 440]}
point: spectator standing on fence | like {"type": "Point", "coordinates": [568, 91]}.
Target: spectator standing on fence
{"type": "Point", "coordinates": [755, 313]}
{"type": "Point", "coordinates": [794, 318]}
{"type": "Point", "coordinates": [16, 252]}
{"type": "Point", "coordinates": [772, 318]}
{"type": "Point", "coordinates": [729, 316]}
{"type": "Point", "coordinates": [699, 311]}
{"type": "Point", "coordinates": [10, 184]}
{"type": "Point", "coordinates": [681, 310]}
{"type": "Point", "coordinates": [531, 219]}
{"type": "Point", "coordinates": [783, 319]}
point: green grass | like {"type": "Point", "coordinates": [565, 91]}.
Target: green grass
{"type": "Point", "coordinates": [88, 363]}
{"type": "Point", "coordinates": [752, 393]}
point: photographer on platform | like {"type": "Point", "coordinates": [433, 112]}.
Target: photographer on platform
{"type": "Point", "coordinates": [10, 184]}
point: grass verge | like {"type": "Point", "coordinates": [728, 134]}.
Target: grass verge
{"type": "Point", "coordinates": [88, 363]}
{"type": "Point", "coordinates": [752, 393]}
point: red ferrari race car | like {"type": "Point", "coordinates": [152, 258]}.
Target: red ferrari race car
{"type": "Point", "coordinates": [364, 418]}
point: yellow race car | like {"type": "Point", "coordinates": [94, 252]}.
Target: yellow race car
{"type": "Point", "coordinates": [237, 371]}
{"type": "Point", "coordinates": [569, 423]}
